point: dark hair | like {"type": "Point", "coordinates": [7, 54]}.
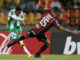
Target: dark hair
{"type": "Point", "coordinates": [56, 9]}
{"type": "Point", "coordinates": [18, 9]}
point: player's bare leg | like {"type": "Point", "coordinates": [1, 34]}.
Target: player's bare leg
{"type": "Point", "coordinates": [25, 49]}
{"type": "Point", "coordinates": [44, 47]}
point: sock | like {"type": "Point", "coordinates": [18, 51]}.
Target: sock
{"type": "Point", "coordinates": [43, 48]}
{"type": "Point", "coordinates": [21, 38]}
{"type": "Point", "coordinates": [26, 50]}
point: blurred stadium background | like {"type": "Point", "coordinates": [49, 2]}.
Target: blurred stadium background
{"type": "Point", "coordinates": [34, 9]}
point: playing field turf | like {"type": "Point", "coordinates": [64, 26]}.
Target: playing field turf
{"type": "Point", "coordinates": [44, 57]}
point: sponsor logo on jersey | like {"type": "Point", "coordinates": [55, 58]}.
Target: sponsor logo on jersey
{"type": "Point", "coordinates": [45, 20]}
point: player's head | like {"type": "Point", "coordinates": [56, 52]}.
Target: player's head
{"type": "Point", "coordinates": [55, 10]}
{"type": "Point", "coordinates": [18, 10]}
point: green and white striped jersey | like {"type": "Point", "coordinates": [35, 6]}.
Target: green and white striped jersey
{"type": "Point", "coordinates": [13, 19]}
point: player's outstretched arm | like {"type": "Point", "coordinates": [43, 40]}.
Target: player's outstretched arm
{"type": "Point", "coordinates": [57, 25]}
{"type": "Point", "coordinates": [17, 18]}
{"type": "Point", "coordinates": [68, 30]}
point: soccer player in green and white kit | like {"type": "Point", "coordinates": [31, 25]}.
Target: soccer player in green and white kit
{"type": "Point", "coordinates": [14, 16]}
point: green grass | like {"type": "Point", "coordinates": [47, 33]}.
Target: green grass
{"type": "Point", "coordinates": [44, 57]}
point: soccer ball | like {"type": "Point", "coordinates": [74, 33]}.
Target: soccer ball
{"type": "Point", "coordinates": [12, 36]}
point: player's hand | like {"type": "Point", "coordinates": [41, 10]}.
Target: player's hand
{"type": "Point", "coordinates": [23, 23]}
{"type": "Point", "coordinates": [75, 32]}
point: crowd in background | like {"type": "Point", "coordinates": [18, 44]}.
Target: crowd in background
{"type": "Point", "coordinates": [34, 8]}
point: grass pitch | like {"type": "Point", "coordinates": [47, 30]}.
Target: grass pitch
{"type": "Point", "coordinates": [44, 57]}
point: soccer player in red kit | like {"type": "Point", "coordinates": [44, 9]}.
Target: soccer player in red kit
{"type": "Point", "coordinates": [47, 21]}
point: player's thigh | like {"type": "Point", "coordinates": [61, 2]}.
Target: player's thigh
{"type": "Point", "coordinates": [18, 32]}
{"type": "Point", "coordinates": [18, 29]}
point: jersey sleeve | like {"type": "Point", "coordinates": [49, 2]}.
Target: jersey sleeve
{"type": "Point", "coordinates": [12, 15]}
{"type": "Point", "coordinates": [56, 24]}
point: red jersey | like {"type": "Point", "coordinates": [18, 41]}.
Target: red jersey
{"type": "Point", "coordinates": [46, 22]}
